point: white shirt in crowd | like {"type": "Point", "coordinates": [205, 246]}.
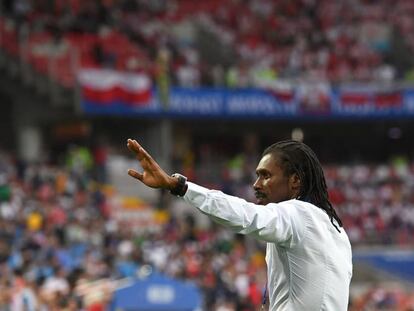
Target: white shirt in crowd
{"type": "Point", "coordinates": [309, 262]}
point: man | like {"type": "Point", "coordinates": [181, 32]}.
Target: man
{"type": "Point", "coordinates": [308, 253]}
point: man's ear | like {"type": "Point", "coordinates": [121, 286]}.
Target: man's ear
{"type": "Point", "coordinates": [294, 184]}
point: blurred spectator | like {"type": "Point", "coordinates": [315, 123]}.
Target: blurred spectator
{"type": "Point", "coordinates": [334, 42]}
{"type": "Point", "coordinates": [60, 247]}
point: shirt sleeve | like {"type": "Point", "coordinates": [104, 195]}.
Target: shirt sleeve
{"type": "Point", "coordinates": [280, 223]}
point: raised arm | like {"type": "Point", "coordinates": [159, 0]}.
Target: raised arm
{"type": "Point", "coordinates": [279, 223]}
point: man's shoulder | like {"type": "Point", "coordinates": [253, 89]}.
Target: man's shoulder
{"type": "Point", "coordinates": [297, 204]}
{"type": "Point", "coordinates": [301, 208]}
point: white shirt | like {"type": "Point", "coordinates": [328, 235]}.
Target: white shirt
{"type": "Point", "coordinates": [309, 262]}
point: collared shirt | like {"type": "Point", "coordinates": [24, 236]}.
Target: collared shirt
{"type": "Point", "coordinates": [309, 262]}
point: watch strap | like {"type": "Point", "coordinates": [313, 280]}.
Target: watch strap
{"type": "Point", "coordinates": [181, 188]}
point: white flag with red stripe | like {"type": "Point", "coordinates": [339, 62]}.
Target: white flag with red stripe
{"type": "Point", "coordinates": [105, 86]}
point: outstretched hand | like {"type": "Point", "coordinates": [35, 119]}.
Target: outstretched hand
{"type": "Point", "coordinates": [153, 175]}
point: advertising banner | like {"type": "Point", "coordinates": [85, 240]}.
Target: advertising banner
{"type": "Point", "coordinates": [110, 92]}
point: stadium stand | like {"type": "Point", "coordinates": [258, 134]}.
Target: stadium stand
{"type": "Point", "coordinates": [63, 244]}
{"type": "Point", "coordinates": [58, 235]}
{"type": "Point", "coordinates": [336, 42]}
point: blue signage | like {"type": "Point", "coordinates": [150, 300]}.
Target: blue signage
{"type": "Point", "coordinates": [157, 293]}
{"type": "Point", "coordinates": [247, 103]}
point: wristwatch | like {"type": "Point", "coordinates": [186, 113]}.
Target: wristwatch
{"type": "Point", "coordinates": [181, 187]}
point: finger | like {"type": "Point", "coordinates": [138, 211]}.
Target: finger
{"type": "Point", "coordinates": [142, 151]}
{"type": "Point", "coordinates": [132, 147]}
{"type": "Point", "coordinates": [135, 174]}
{"type": "Point", "coordinates": [136, 149]}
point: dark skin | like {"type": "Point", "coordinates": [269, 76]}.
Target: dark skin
{"type": "Point", "coordinates": [271, 186]}
{"type": "Point", "coordinates": [153, 175]}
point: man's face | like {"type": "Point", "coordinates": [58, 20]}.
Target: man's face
{"type": "Point", "coordinates": [271, 185]}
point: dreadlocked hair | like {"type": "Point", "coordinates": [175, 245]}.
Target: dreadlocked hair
{"type": "Point", "coordinates": [297, 158]}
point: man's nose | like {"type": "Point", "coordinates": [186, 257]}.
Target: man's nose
{"type": "Point", "coordinates": [257, 185]}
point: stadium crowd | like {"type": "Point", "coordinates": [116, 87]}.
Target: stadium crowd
{"type": "Point", "coordinates": [380, 298]}
{"type": "Point", "coordinates": [254, 41]}
{"type": "Point", "coordinates": [60, 249]}
{"type": "Point", "coordinates": [375, 201]}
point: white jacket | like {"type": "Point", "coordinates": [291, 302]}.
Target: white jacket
{"type": "Point", "coordinates": [309, 262]}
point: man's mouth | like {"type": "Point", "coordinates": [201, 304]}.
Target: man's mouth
{"type": "Point", "coordinates": [260, 197]}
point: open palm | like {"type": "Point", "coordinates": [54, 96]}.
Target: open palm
{"type": "Point", "coordinates": [153, 175]}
